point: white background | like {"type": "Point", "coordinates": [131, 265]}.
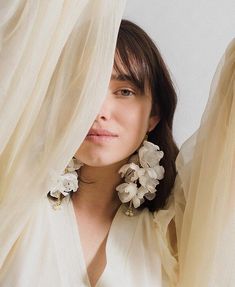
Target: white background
{"type": "Point", "coordinates": [192, 36]}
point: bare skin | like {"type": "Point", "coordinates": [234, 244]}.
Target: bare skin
{"type": "Point", "coordinates": [95, 206]}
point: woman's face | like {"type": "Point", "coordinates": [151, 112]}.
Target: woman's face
{"type": "Point", "coordinates": [120, 126]}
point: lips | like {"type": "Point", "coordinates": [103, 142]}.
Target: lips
{"type": "Point", "coordinates": [100, 136]}
{"type": "Point", "coordinates": [101, 133]}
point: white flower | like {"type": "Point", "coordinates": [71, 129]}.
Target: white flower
{"type": "Point", "coordinates": [142, 191]}
{"type": "Point", "coordinates": [73, 165]}
{"type": "Point", "coordinates": [144, 171]}
{"type": "Point", "coordinates": [131, 172]}
{"type": "Point", "coordinates": [149, 155]}
{"type": "Point", "coordinates": [56, 185]}
{"type": "Point", "coordinates": [63, 184]}
{"type": "Point", "coordinates": [55, 193]}
{"type": "Point", "coordinates": [69, 182]}
{"type": "Point", "coordinates": [134, 158]}
{"type": "Point", "coordinates": [160, 171]}
{"type": "Point", "coordinates": [137, 201]}
{"type": "Point", "coordinates": [127, 191]}
{"type": "Point", "coordinates": [150, 196]}
{"type": "Point", "coordinates": [149, 183]}
{"type": "Point", "coordinates": [156, 172]}
{"type": "Point", "coordinates": [128, 170]}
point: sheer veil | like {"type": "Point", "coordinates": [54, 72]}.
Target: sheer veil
{"type": "Point", "coordinates": [55, 62]}
{"type": "Point", "coordinates": [205, 188]}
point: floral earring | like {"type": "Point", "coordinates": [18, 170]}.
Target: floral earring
{"type": "Point", "coordinates": [65, 183]}
{"type": "Point", "coordinates": [141, 176]}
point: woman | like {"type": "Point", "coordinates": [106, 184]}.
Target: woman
{"type": "Point", "coordinates": [113, 228]}
{"type": "Point", "coordinates": [140, 101]}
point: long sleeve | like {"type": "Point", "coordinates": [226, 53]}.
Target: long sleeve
{"type": "Point", "coordinates": [204, 189]}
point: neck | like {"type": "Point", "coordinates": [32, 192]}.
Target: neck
{"type": "Point", "coordinates": [97, 190]}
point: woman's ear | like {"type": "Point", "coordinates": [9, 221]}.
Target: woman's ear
{"type": "Point", "coordinates": [153, 121]}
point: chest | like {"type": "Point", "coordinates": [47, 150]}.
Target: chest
{"type": "Point", "coordinates": [93, 239]}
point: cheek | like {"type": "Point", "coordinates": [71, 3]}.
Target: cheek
{"type": "Point", "coordinates": [136, 119]}
{"type": "Point", "coordinates": [133, 121]}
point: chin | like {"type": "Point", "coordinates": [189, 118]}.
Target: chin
{"type": "Point", "coordinates": [102, 162]}
{"type": "Point", "coordinates": [97, 164]}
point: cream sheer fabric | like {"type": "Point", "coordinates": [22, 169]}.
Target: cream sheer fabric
{"type": "Point", "coordinates": [55, 62]}
{"type": "Point", "coordinates": [205, 189]}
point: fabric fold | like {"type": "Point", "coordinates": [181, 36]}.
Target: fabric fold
{"type": "Point", "coordinates": [206, 184]}
{"type": "Point", "coordinates": [50, 69]}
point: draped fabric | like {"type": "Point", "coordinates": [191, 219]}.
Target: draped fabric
{"type": "Point", "coordinates": [55, 62]}
{"type": "Point", "coordinates": [205, 189]}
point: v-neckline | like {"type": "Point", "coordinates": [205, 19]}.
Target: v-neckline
{"type": "Point", "coordinates": [118, 246]}
{"type": "Point", "coordinates": [107, 244]}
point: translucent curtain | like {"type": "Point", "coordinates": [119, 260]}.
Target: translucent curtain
{"type": "Point", "coordinates": [55, 63]}
{"type": "Point", "coordinates": [205, 189]}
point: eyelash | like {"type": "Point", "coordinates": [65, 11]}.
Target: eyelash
{"type": "Point", "coordinates": [120, 92]}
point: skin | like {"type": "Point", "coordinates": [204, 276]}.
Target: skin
{"type": "Point", "coordinates": [125, 113]}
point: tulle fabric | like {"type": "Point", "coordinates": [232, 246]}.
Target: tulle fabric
{"type": "Point", "coordinates": [55, 62]}
{"type": "Point", "coordinates": [205, 189]}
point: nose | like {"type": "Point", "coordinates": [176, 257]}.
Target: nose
{"type": "Point", "coordinates": [105, 111]}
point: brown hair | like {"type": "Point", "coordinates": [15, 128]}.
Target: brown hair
{"type": "Point", "coordinates": [138, 59]}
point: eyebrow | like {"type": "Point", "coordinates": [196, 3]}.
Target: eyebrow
{"type": "Point", "coordinates": [121, 78]}
{"type": "Point", "coordinates": [125, 78]}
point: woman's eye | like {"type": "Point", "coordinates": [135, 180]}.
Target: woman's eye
{"type": "Point", "coordinates": [125, 93]}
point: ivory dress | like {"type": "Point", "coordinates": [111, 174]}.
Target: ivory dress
{"type": "Point", "coordinates": [132, 251]}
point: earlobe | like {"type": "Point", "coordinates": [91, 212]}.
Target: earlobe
{"type": "Point", "coordinates": [153, 121]}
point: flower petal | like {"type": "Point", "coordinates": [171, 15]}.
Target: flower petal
{"type": "Point", "coordinates": [126, 191]}
{"type": "Point", "coordinates": [124, 169]}
{"type": "Point", "coordinates": [150, 196]}
{"type": "Point", "coordinates": [136, 202]}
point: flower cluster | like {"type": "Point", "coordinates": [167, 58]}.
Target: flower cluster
{"type": "Point", "coordinates": [141, 175]}
{"type": "Point", "coordinates": [66, 182]}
